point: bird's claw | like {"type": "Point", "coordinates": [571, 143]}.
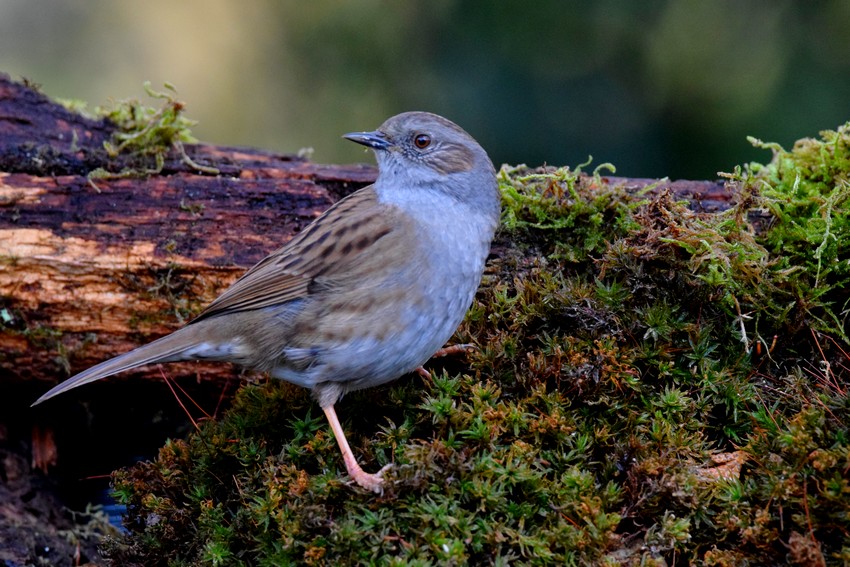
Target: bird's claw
{"type": "Point", "coordinates": [372, 482]}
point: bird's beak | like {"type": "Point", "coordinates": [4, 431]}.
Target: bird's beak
{"type": "Point", "coordinates": [375, 140]}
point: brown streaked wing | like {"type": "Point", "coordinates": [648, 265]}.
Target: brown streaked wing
{"type": "Point", "coordinates": [326, 247]}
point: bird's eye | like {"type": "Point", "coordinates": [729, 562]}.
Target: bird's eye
{"type": "Point", "coordinates": [422, 141]}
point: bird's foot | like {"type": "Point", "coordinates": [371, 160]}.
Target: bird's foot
{"type": "Point", "coordinates": [423, 373]}
{"type": "Point", "coordinates": [455, 349]}
{"type": "Point", "coordinates": [372, 482]}
{"type": "Point", "coordinates": [446, 351]}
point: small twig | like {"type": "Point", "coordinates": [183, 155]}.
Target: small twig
{"type": "Point", "coordinates": [176, 397]}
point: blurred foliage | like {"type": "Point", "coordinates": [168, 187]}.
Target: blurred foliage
{"type": "Point", "coordinates": [654, 386]}
{"type": "Point", "coordinates": [659, 88]}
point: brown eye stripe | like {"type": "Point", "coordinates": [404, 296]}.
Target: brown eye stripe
{"type": "Point", "coordinates": [455, 161]}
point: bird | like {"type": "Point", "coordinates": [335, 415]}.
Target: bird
{"type": "Point", "coordinates": [367, 292]}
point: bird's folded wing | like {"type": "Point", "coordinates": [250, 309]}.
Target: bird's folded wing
{"type": "Point", "coordinates": [334, 244]}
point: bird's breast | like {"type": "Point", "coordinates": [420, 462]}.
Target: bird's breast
{"type": "Point", "coordinates": [407, 304]}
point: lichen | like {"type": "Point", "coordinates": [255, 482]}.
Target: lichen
{"type": "Point", "coordinates": [653, 386]}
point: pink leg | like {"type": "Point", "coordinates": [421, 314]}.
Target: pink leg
{"type": "Point", "coordinates": [373, 482]}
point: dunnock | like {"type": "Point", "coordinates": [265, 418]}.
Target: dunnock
{"type": "Point", "coordinates": [367, 292]}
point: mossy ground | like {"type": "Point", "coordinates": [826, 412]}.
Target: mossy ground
{"type": "Point", "coordinates": [654, 386]}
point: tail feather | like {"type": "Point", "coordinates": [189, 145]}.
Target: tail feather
{"type": "Point", "coordinates": [170, 348]}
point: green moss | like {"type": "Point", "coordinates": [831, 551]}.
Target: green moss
{"type": "Point", "coordinates": [548, 211]}
{"type": "Point", "coordinates": [624, 340]}
{"type": "Point", "coordinates": [146, 135]}
{"type": "Point", "coordinates": [804, 193]}
{"type": "Point", "coordinates": [78, 106]}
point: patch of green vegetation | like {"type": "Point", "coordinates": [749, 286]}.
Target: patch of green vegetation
{"type": "Point", "coordinates": [145, 135]}
{"type": "Point", "coordinates": [78, 106]}
{"type": "Point", "coordinates": [805, 194]}
{"type": "Point", "coordinates": [654, 386]}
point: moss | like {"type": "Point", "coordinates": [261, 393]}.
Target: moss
{"type": "Point", "coordinates": [625, 340]}
{"type": "Point", "coordinates": [145, 135]}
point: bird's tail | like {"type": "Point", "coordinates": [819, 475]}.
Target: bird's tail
{"type": "Point", "coordinates": [170, 348]}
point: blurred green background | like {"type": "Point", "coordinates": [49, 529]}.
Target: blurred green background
{"type": "Point", "coordinates": [656, 87]}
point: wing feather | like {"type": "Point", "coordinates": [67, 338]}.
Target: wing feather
{"type": "Point", "coordinates": [329, 246]}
